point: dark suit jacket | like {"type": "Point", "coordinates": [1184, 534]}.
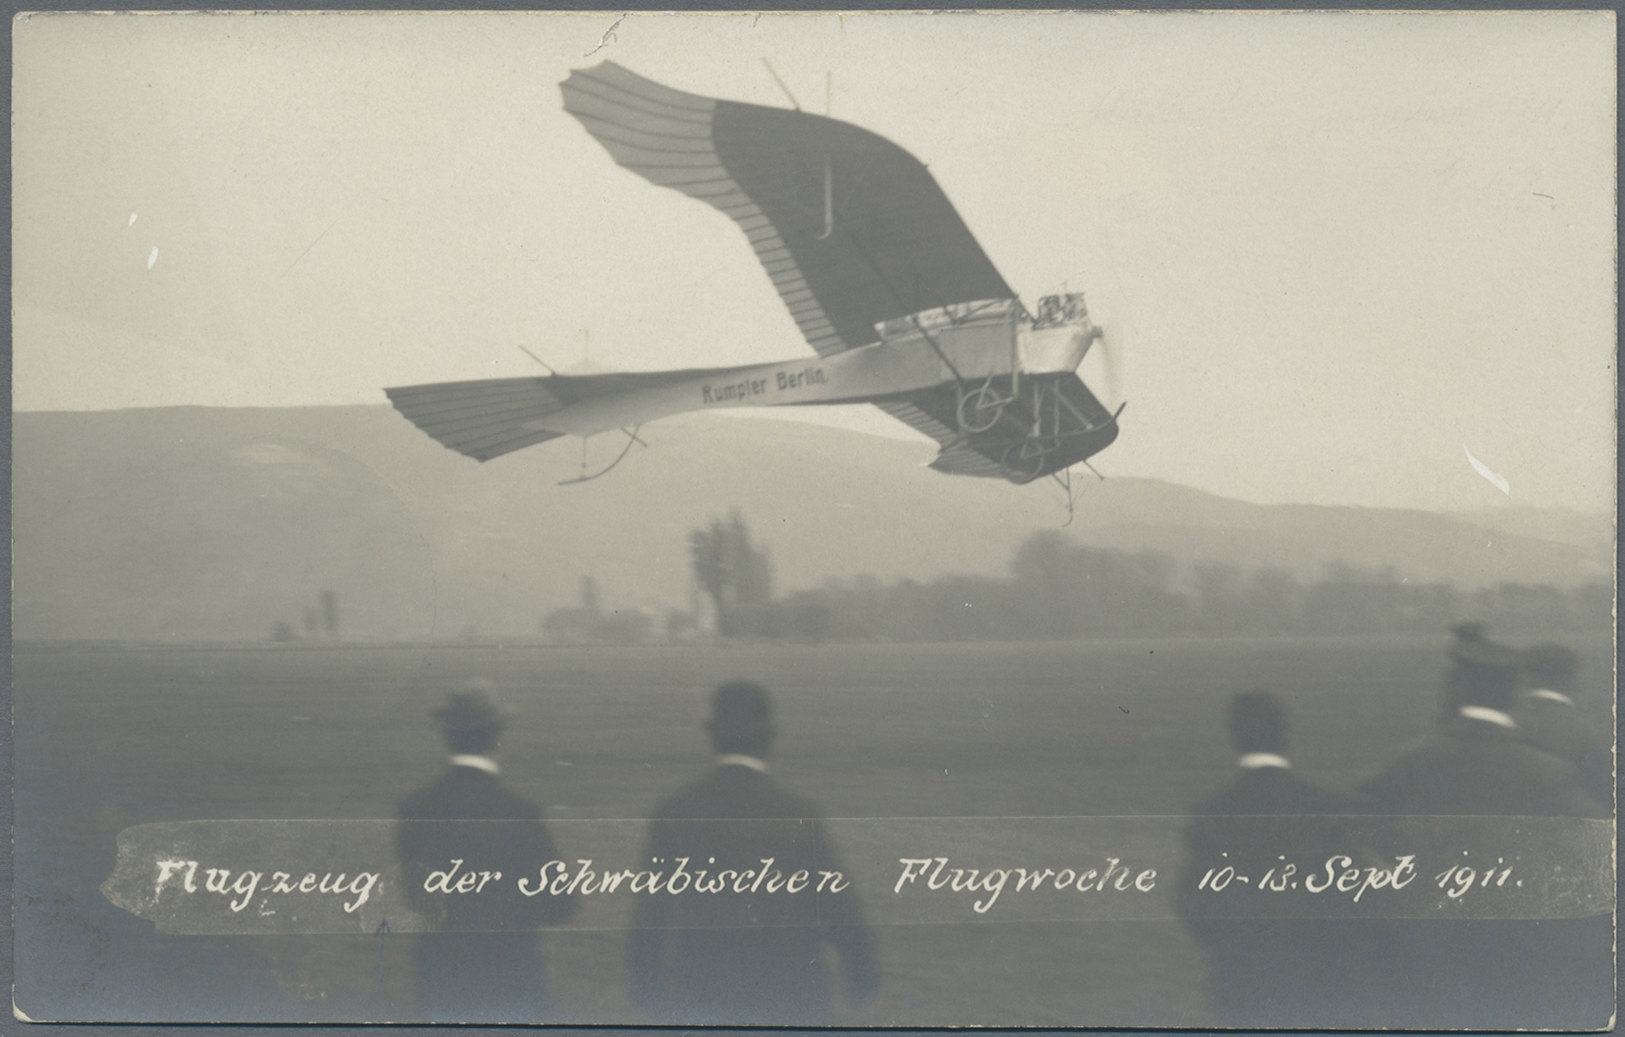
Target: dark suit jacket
{"type": "Point", "coordinates": [483, 961]}
{"type": "Point", "coordinates": [751, 957]}
{"type": "Point", "coordinates": [1563, 730]}
{"type": "Point", "coordinates": [1476, 767]}
{"type": "Point", "coordinates": [1267, 965]}
{"type": "Point", "coordinates": [1496, 974]}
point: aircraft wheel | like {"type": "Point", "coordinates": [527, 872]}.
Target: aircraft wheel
{"type": "Point", "coordinates": [980, 409]}
{"type": "Point", "coordinates": [1026, 459]}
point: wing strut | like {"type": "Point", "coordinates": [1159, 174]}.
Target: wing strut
{"type": "Point", "coordinates": [774, 73]}
{"type": "Point", "coordinates": [829, 203]}
{"type": "Point", "coordinates": [914, 317]}
{"type": "Point", "coordinates": [545, 365]}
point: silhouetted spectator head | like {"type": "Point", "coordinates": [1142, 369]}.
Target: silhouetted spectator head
{"type": "Point", "coordinates": [1551, 666]}
{"type": "Point", "coordinates": [741, 719]}
{"type": "Point", "coordinates": [1482, 672]}
{"type": "Point", "coordinates": [1468, 633]}
{"type": "Point", "coordinates": [470, 721]}
{"type": "Point", "coordinates": [1258, 723]}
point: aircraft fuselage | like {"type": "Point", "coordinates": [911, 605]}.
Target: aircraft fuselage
{"type": "Point", "coordinates": [914, 358]}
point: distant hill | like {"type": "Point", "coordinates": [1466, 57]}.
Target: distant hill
{"type": "Point", "coordinates": [1593, 532]}
{"type": "Point", "coordinates": [1145, 515]}
{"type": "Point", "coordinates": [200, 524]}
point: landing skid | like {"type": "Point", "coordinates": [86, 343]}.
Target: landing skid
{"type": "Point", "coordinates": [631, 440]}
{"type": "Point", "coordinates": [1063, 479]}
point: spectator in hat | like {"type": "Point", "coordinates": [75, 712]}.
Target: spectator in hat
{"type": "Point", "coordinates": [481, 960]}
{"type": "Point", "coordinates": [1476, 972]}
{"type": "Point", "coordinates": [746, 955]}
{"type": "Point", "coordinates": [1549, 719]}
{"type": "Point", "coordinates": [1266, 966]}
{"type": "Point", "coordinates": [1475, 762]}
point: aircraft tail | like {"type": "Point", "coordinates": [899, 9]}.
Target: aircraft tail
{"type": "Point", "coordinates": [483, 419]}
{"type": "Point", "coordinates": [497, 416]}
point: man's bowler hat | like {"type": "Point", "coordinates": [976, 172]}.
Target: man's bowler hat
{"type": "Point", "coordinates": [1472, 648]}
{"type": "Point", "coordinates": [1484, 672]}
{"type": "Point", "coordinates": [470, 710]}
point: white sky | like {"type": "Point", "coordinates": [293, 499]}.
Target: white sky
{"type": "Point", "coordinates": [1331, 249]}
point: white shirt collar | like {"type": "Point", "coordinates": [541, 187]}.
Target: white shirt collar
{"type": "Point", "coordinates": [1253, 761]}
{"type": "Point", "coordinates": [741, 760]}
{"type": "Point", "coordinates": [1554, 696]}
{"type": "Point", "coordinates": [1493, 716]}
{"type": "Point", "coordinates": [479, 763]}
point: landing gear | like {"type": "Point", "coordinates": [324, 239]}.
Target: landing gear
{"type": "Point", "coordinates": [980, 408]}
{"type": "Point", "coordinates": [1025, 460]}
{"type": "Point", "coordinates": [631, 439]}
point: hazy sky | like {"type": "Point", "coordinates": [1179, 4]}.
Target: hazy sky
{"type": "Point", "coordinates": [1333, 250]}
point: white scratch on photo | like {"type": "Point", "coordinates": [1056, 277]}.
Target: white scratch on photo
{"type": "Point", "coordinates": [1483, 469]}
{"type": "Point", "coordinates": [609, 35]}
{"type": "Point", "coordinates": [152, 257]}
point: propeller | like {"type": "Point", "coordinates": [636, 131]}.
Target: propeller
{"type": "Point", "coordinates": [1112, 356]}
{"type": "Point", "coordinates": [1108, 308]}
{"type": "Point", "coordinates": [1109, 347]}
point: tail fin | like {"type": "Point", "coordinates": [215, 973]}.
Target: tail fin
{"type": "Point", "coordinates": [482, 419]}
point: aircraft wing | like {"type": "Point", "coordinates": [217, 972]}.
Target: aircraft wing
{"type": "Point", "coordinates": [851, 228]}
{"type": "Point", "coordinates": [496, 416]}
{"type": "Point", "coordinates": [930, 412]}
{"type": "Point", "coordinates": [956, 457]}
{"type": "Point", "coordinates": [1078, 427]}
{"type": "Point", "coordinates": [482, 419]}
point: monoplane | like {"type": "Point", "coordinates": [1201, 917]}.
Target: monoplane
{"type": "Point", "coordinates": [897, 300]}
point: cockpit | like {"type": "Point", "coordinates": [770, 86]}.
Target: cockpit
{"type": "Point", "coordinates": [1057, 310]}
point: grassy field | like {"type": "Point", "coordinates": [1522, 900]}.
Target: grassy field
{"type": "Point", "coordinates": [110, 737]}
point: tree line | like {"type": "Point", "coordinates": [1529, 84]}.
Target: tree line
{"type": "Point", "coordinates": [1060, 590]}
